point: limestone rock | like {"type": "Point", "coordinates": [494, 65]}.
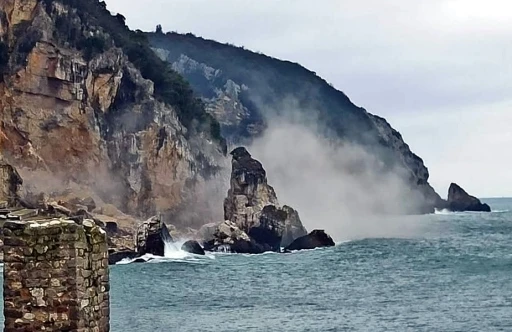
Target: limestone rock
{"type": "Point", "coordinates": [206, 233]}
{"type": "Point", "coordinates": [315, 239]}
{"type": "Point", "coordinates": [192, 247]}
{"type": "Point", "coordinates": [64, 99]}
{"type": "Point", "coordinates": [459, 200]}
{"type": "Point", "coordinates": [269, 231]}
{"type": "Point", "coordinates": [152, 235]}
{"type": "Point", "coordinates": [293, 226]}
{"type": "Point", "coordinates": [228, 237]}
{"type": "Point", "coordinates": [252, 204]}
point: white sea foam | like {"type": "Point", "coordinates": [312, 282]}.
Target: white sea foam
{"type": "Point", "coordinates": [172, 253]}
{"type": "Point", "coordinates": [443, 211]}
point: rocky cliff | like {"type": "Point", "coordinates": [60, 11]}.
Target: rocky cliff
{"type": "Point", "coordinates": [86, 104]}
{"type": "Point", "coordinates": [244, 90]}
{"type": "Point", "coordinates": [253, 207]}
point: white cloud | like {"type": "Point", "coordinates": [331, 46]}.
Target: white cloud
{"type": "Point", "coordinates": [430, 67]}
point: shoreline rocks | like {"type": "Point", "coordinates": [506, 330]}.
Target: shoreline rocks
{"type": "Point", "coordinates": [293, 227]}
{"type": "Point", "coordinates": [459, 201]}
{"type": "Point", "coordinates": [252, 205]}
{"type": "Point", "coordinates": [315, 239]}
{"type": "Point", "coordinates": [115, 257]}
{"type": "Point", "coordinates": [193, 247]}
{"type": "Point", "coordinates": [152, 235]}
{"type": "Point", "coordinates": [227, 237]}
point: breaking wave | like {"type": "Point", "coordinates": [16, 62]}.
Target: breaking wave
{"type": "Point", "coordinates": [448, 212]}
{"type": "Point", "coordinates": [172, 253]}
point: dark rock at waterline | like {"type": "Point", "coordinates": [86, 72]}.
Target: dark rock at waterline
{"type": "Point", "coordinates": [143, 260]}
{"type": "Point", "coordinates": [269, 231]}
{"type": "Point", "coordinates": [116, 256]}
{"type": "Point", "coordinates": [193, 247]}
{"type": "Point", "coordinates": [227, 237]}
{"type": "Point", "coordinates": [111, 227]}
{"type": "Point", "coordinates": [315, 239]}
{"type": "Point", "coordinates": [459, 200]}
{"type": "Point", "coordinates": [293, 227]}
{"type": "Point", "coordinates": [152, 235]}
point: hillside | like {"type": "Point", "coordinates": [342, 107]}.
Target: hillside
{"type": "Point", "coordinates": [245, 90]}
{"type": "Point", "coordinates": [88, 109]}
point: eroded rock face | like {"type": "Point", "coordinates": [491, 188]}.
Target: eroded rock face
{"type": "Point", "coordinates": [227, 237]}
{"type": "Point", "coordinates": [459, 200]}
{"type": "Point", "coordinates": [293, 226]}
{"type": "Point", "coordinates": [152, 236]}
{"type": "Point", "coordinates": [315, 239]}
{"type": "Point", "coordinates": [91, 118]}
{"type": "Point", "coordinates": [252, 204]}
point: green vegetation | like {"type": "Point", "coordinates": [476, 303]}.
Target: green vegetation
{"type": "Point", "coordinates": [98, 30]}
{"type": "Point", "coordinates": [272, 82]}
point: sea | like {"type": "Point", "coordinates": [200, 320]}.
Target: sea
{"type": "Point", "coordinates": [455, 275]}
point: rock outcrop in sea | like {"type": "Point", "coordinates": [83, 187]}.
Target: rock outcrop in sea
{"type": "Point", "coordinates": [315, 239]}
{"type": "Point", "coordinates": [227, 237]}
{"type": "Point", "coordinates": [293, 226]}
{"type": "Point", "coordinates": [253, 207]}
{"type": "Point", "coordinates": [152, 237]}
{"type": "Point", "coordinates": [459, 200]}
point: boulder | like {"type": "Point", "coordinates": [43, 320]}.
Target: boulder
{"type": "Point", "coordinates": [252, 205]}
{"type": "Point", "coordinates": [207, 232]}
{"type": "Point", "coordinates": [115, 257]}
{"type": "Point", "coordinates": [75, 203]}
{"type": "Point", "coordinates": [268, 232]}
{"type": "Point", "coordinates": [459, 200]}
{"type": "Point", "coordinates": [152, 235]}
{"type": "Point", "coordinates": [293, 227]}
{"type": "Point", "coordinates": [111, 227]}
{"type": "Point", "coordinates": [315, 239]}
{"type": "Point", "coordinates": [227, 237]}
{"type": "Point", "coordinates": [192, 247]}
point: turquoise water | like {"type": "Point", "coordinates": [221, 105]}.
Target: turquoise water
{"type": "Point", "coordinates": [456, 275]}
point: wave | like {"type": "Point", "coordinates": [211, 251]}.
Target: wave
{"type": "Point", "coordinates": [448, 212]}
{"type": "Point", "coordinates": [172, 253]}
{"type": "Point", "coordinates": [444, 211]}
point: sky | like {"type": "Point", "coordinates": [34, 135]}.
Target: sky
{"type": "Point", "coordinates": [440, 71]}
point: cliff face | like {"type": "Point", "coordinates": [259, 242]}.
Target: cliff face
{"type": "Point", "coordinates": [244, 90]}
{"type": "Point", "coordinates": [253, 207]}
{"type": "Point", "coordinates": [76, 105]}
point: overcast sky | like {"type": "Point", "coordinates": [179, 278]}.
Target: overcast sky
{"type": "Point", "coordinates": [439, 70]}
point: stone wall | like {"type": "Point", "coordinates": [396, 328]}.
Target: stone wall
{"type": "Point", "coordinates": [55, 276]}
